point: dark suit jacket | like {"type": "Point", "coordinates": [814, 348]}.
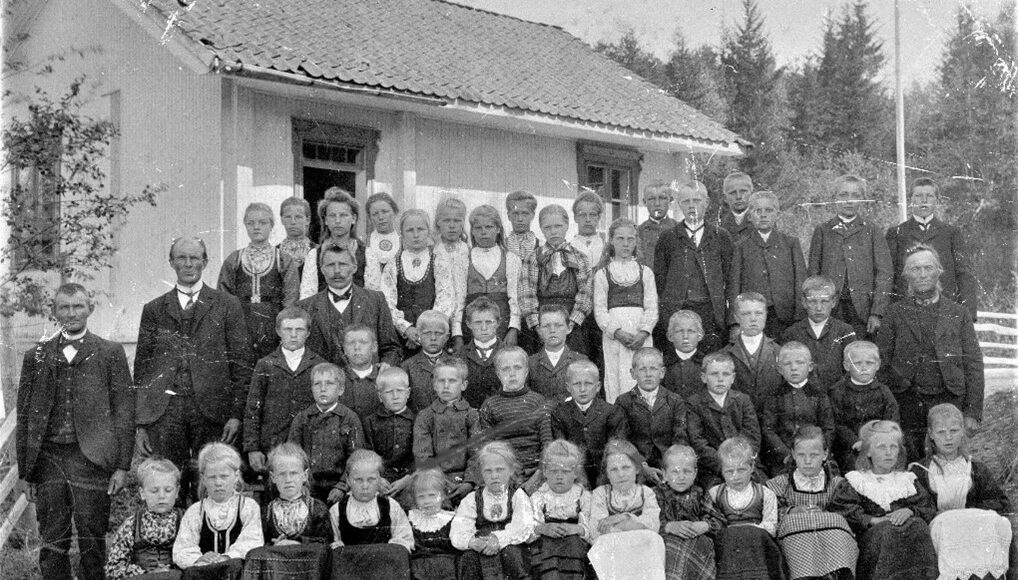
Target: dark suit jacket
{"type": "Point", "coordinates": [790, 408]}
{"type": "Point", "coordinates": [774, 268]}
{"type": "Point", "coordinates": [219, 351]}
{"type": "Point", "coordinates": [419, 368]}
{"type": "Point", "coordinates": [828, 351]}
{"type": "Point", "coordinates": [276, 395]}
{"type": "Point", "coordinates": [861, 250]}
{"type": "Point", "coordinates": [756, 381]}
{"type": "Point", "coordinates": [726, 219]}
{"type": "Point", "coordinates": [682, 377]}
{"type": "Point", "coordinates": [671, 277]}
{"type": "Point", "coordinates": [103, 403]}
{"type": "Point", "coordinates": [710, 425]}
{"type": "Point", "coordinates": [549, 380]}
{"type": "Point", "coordinates": [591, 430]}
{"type": "Point", "coordinates": [957, 281]}
{"type": "Point", "coordinates": [653, 431]}
{"type": "Point", "coordinates": [482, 380]}
{"type": "Point", "coordinates": [958, 354]}
{"type": "Point", "coordinates": [366, 307]}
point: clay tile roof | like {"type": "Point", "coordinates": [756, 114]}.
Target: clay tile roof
{"type": "Point", "coordinates": [439, 49]}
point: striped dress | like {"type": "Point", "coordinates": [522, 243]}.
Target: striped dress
{"type": "Point", "coordinates": [816, 543]}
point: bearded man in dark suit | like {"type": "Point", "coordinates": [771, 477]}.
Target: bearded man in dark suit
{"type": "Point", "coordinates": [75, 435]}
{"type": "Point", "coordinates": [929, 351]}
{"type": "Point", "coordinates": [344, 303]}
{"type": "Point", "coordinates": [192, 367]}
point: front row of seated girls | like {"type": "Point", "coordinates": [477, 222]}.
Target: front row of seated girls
{"type": "Point", "coordinates": [877, 522]}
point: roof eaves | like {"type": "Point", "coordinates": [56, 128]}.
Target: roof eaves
{"type": "Point", "coordinates": [165, 28]}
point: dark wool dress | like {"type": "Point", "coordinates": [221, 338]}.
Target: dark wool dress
{"type": "Point", "coordinates": [310, 559]}
{"type": "Point", "coordinates": [886, 551]}
{"type": "Point", "coordinates": [745, 551]}
{"type": "Point", "coordinates": [262, 295]}
{"type": "Point", "coordinates": [560, 558]}
{"type": "Point", "coordinates": [434, 558]}
{"type": "Point", "coordinates": [366, 553]}
{"type": "Point", "coordinates": [691, 559]}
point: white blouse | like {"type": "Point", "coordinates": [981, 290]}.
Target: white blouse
{"type": "Point", "coordinates": [429, 523]}
{"type": "Point", "coordinates": [517, 531]}
{"type": "Point", "coordinates": [365, 514]}
{"type": "Point", "coordinates": [220, 516]}
{"type": "Point", "coordinates": [625, 273]}
{"type": "Point", "coordinates": [562, 506]}
{"type": "Point", "coordinates": [740, 499]}
{"type": "Point", "coordinates": [458, 258]}
{"type": "Point", "coordinates": [591, 246]}
{"type": "Point", "coordinates": [624, 501]}
{"type": "Point", "coordinates": [951, 482]}
{"type": "Point", "coordinates": [445, 295]}
{"type": "Point", "coordinates": [376, 257]}
{"type": "Point", "coordinates": [885, 489]}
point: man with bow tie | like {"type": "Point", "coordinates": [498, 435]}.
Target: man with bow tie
{"type": "Point", "coordinates": [343, 304]}
{"type": "Point", "coordinates": [192, 367]}
{"type": "Point", "coordinates": [691, 266]}
{"type": "Point", "coordinates": [924, 227]}
{"type": "Point", "coordinates": [75, 435]}
{"type": "Point", "coordinates": [929, 351]}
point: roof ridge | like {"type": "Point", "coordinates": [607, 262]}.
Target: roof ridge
{"type": "Point", "coordinates": [503, 15]}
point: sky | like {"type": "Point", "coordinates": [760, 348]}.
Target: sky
{"type": "Point", "coordinates": [794, 27]}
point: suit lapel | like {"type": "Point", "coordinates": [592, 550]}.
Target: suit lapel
{"type": "Point", "coordinates": [739, 351]}
{"type": "Point", "coordinates": [171, 306]}
{"type": "Point", "coordinates": [203, 305]}
{"type": "Point", "coordinates": [912, 314]}
{"type": "Point", "coordinates": [88, 346]}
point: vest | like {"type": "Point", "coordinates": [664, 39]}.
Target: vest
{"type": "Point", "coordinates": [928, 379]}
{"type": "Point", "coordinates": [696, 284]}
{"type": "Point", "coordinates": [148, 555]}
{"type": "Point", "coordinates": [561, 289]}
{"type": "Point", "coordinates": [219, 541]}
{"type": "Point", "coordinates": [60, 427]}
{"type": "Point", "coordinates": [413, 298]}
{"type": "Point", "coordinates": [183, 380]}
{"type": "Point", "coordinates": [624, 296]}
{"type": "Point", "coordinates": [485, 526]}
{"type": "Point", "coordinates": [380, 533]}
{"type": "Point", "coordinates": [751, 514]}
{"type": "Point", "coordinates": [495, 288]}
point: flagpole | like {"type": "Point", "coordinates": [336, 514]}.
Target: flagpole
{"type": "Point", "coordinates": [899, 113]}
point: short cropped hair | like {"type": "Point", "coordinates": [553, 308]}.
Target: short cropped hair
{"type": "Point", "coordinates": [73, 289]}
{"type": "Point", "coordinates": [435, 318]}
{"type": "Point", "coordinates": [719, 357]}
{"type": "Point", "coordinates": [856, 347]}
{"type": "Point", "coordinates": [738, 449]}
{"type": "Point", "coordinates": [817, 284]}
{"type": "Point", "coordinates": [452, 362]}
{"type": "Point", "coordinates": [588, 196]}
{"type": "Point", "coordinates": [196, 239]}
{"type": "Point", "coordinates": [659, 184]}
{"type": "Point", "coordinates": [293, 313]}
{"type": "Point", "coordinates": [764, 194]}
{"type": "Point", "coordinates": [552, 210]}
{"type": "Point", "coordinates": [677, 452]}
{"type": "Point", "coordinates": [736, 176]}
{"type": "Point", "coordinates": [793, 346]}
{"type": "Point", "coordinates": [287, 449]}
{"type": "Point", "coordinates": [924, 182]}
{"type": "Point", "coordinates": [749, 297]}
{"type": "Point", "coordinates": [673, 322]}
{"type": "Point", "coordinates": [507, 351]}
{"type": "Point", "coordinates": [521, 196]}
{"type": "Point", "coordinates": [851, 178]}
{"type": "Point", "coordinates": [647, 351]}
{"type": "Point", "coordinates": [327, 368]}
{"type": "Point", "coordinates": [696, 187]}
{"type": "Point", "coordinates": [154, 465]}
{"type": "Point", "coordinates": [333, 248]}
{"type": "Point", "coordinates": [579, 366]}
{"type": "Point", "coordinates": [295, 201]}
{"type": "Point", "coordinates": [809, 433]}
{"type": "Point", "coordinates": [482, 304]}
{"type": "Point", "coordinates": [393, 375]}
{"type": "Point", "coordinates": [546, 309]}
{"type": "Point", "coordinates": [360, 327]}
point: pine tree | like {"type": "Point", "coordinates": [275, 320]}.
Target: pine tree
{"type": "Point", "coordinates": [628, 52]}
{"type": "Point", "coordinates": [755, 92]}
{"type": "Point", "coordinates": [694, 76]}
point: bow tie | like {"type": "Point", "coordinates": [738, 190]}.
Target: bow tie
{"type": "Point", "coordinates": [76, 343]}
{"type": "Point", "coordinates": [693, 230]}
{"type": "Point", "coordinates": [340, 297]}
{"type": "Point", "coordinates": [926, 301]}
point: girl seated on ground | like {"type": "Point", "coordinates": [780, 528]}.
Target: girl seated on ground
{"type": "Point", "coordinates": [688, 518]}
{"type": "Point", "coordinates": [434, 557]}
{"type": "Point", "coordinates": [562, 512]}
{"type": "Point", "coordinates": [886, 508]}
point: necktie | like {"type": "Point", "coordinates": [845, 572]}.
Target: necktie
{"type": "Point", "coordinates": [336, 298]}
{"type": "Point", "coordinates": [69, 347]}
{"type": "Point", "coordinates": [190, 299]}
{"type": "Point", "coordinates": [484, 353]}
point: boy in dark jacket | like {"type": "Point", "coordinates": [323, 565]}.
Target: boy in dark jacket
{"type": "Point", "coordinates": [548, 365]}
{"type": "Point", "coordinates": [683, 362]}
{"type": "Point", "coordinates": [824, 335]}
{"type": "Point", "coordinates": [859, 398]}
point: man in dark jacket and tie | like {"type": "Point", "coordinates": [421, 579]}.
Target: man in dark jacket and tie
{"type": "Point", "coordinates": [344, 303]}
{"type": "Point", "coordinates": [75, 435]}
{"type": "Point", "coordinates": [192, 367]}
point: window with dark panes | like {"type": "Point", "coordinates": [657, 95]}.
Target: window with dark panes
{"type": "Point", "coordinates": [613, 173]}
{"type": "Point", "coordinates": [35, 202]}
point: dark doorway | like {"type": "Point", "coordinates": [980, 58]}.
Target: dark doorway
{"type": "Point", "coordinates": [316, 181]}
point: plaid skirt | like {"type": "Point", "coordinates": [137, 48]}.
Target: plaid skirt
{"type": "Point", "coordinates": [371, 562]}
{"type": "Point", "coordinates": [889, 552]}
{"type": "Point", "coordinates": [746, 552]}
{"type": "Point", "coordinates": [284, 562]}
{"type": "Point", "coordinates": [691, 559]}
{"type": "Point", "coordinates": [816, 544]}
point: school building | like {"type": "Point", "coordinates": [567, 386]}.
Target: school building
{"type": "Point", "coordinates": [228, 102]}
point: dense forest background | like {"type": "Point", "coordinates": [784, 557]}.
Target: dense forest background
{"type": "Point", "coordinates": [833, 113]}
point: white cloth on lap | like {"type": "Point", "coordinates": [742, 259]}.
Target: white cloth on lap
{"type": "Point", "coordinates": [971, 541]}
{"type": "Point", "coordinates": [632, 555]}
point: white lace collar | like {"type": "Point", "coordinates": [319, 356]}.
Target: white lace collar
{"type": "Point", "coordinates": [429, 523]}
{"type": "Point", "coordinates": [883, 490]}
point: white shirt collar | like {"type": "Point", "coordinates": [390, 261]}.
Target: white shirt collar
{"type": "Point", "coordinates": [719, 399]}
{"type": "Point", "coordinates": [684, 355]}
{"type": "Point", "coordinates": [363, 373]}
{"type": "Point", "coordinates": [486, 345]}
{"type": "Point", "coordinates": [585, 407]}
{"type": "Point", "coordinates": [847, 220]}
{"type": "Point", "coordinates": [817, 327]}
{"type": "Point", "coordinates": [649, 396]}
{"type": "Point", "coordinates": [658, 222]}
{"type": "Point", "coordinates": [923, 221]}
{"type": "Point", "coordinates": [799, 385]}
{"type": "Point", "coordinates": [193, 289]}
{"type": "Point", "coordinates": [329, 410]}
{"type": "Point", "coordinates": [740, 216]}
{"type": "Point", "coordinates": [78, 336]}
{"type": "Point", "coordinates": [340, 291]}
{"type": "Point", "coordinates": [765, 236]}
{"type": "Point", "coordinates": [752, 343]}
{"type": "Point", "coordinates": [293, 357]}
{"type": "Point", "coordinates": [855, 382]}
{"type": "Point", "coordinates": [554, 357]}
